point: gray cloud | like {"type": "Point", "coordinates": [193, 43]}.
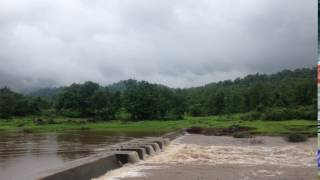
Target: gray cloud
{"type": "Point", "coordinates": [180, 43]}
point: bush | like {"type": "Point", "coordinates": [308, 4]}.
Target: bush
{"type": "Point", "coordinates": [241, 135]}
{"type": "Point", "coordinates": [122, 115]}
{"type": "Point", "coordinates": [196, 110]}
{"type": "Point", "coordinates": [104, 114]}
{"type": "Point", "coordinates": [253, 115]}
{"type": "Point", "coordinates": [174, 115]}
{"type": "Point", "coordinates": [51, 121]}
{"type": "Point", "coordinates": [297, 138]}
{"type": "Point", "coordinates": [20, 124]}
{"type": "Point", "coordinates": [277, 114]}
{"type": "Point", "coordinates": [48, 112]}
{"type": "Point", "coordinates": [39, 121]}
{"type": "Point", "coordinates": [76, 121]}
{"type": "Point", "coordinates": [233, 128]}
{"type": "Point", "coordinates": [93, 119]}
{"type": "Point", "coordinates": [27, 130]}
{"type": "Point", "coordinates": [71, 114]}
{"type": "Point", "coordinates": [195, 130]}
{"type": "Point", "coordinates": [82, 128]}
{"type": "Point", "coordinates": [307, 112]}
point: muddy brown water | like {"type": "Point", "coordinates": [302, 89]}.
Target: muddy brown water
{"type": "Point", "coordinates": [26, 154]}
{"type": "Point", "coordinates": [199, 157]}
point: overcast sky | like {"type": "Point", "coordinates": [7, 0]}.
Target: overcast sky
{"type": "Point", "coordinates": [179, 43]}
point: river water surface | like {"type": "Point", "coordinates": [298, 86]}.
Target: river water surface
{"type": "Point", "coordinates": [199, 157]}
{"type": "Point", "coordinates": [26, 154]}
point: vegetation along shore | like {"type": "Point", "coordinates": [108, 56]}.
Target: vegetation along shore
{"type": "Point", "coordinates": [275, 104]}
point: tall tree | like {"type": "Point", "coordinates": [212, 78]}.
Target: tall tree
{"type": "Point", "coordinates": [7, 103]}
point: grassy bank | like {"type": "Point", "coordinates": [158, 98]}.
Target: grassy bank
{"type": "Point", "coordinates": [59, 124]}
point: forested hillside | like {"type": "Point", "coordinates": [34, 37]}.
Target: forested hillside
{"type": "Point", "coordinates": [283, 92]}
{"type": "Point", "coordinates": [284, 95]}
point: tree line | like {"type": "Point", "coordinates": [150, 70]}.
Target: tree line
{"type": "Point", "coordinates": [284, 95]}
{"type": "Point", "coordinates": [15, 104]}
{"type": "Point", "coordinates": [291, 90]}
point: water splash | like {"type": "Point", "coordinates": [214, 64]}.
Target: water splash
{"type": "Point", "coordinates": [178, 153]}
{"type": "Point", "coordinates": [289, 156]}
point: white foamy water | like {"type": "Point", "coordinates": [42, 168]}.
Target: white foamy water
{"type": "Point", "coordinates": [290, 156]}
{"type": "Point", "coordinates": [178, 153]}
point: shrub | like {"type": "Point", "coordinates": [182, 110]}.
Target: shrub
{"type": "Point", "coordinates": [93, 119]}
{"type": "Point", "coordinates": [307, 112]}
{"type": "Point", "coordinates": [241, 135]}
{"type": "Point", "coordinates": [297, 138]}
{"type": "Point", "coordinates": [39, 121]}
{"type": "Point", "coordinates": [233, 128]}
{"type": "Point", "coordinates": [27, 130]}
{"type": "Point", "coordinates": [20, 124]}
{"type": "Point", "coordinates": [51, 121]}
{"type": "Point", "coordinates": [277, 114]}
{"type": "Point", "coordinates": [82, 128]}
{"type": "Point", "coordinates": [122, 115]}
{"type": "Point", "coordinates": [253, 115]}
{"type": "Point", "coordinates": [174, 115]}
{"type": "Point", "coordinates": [76, 121]}
{"type": "Point", "coordinates": [196, 110]}
{"type": "Point", "coordinates": [48, 112]}
{"type": "Point", "coordinates": [195, 130]}
{"type": "Point", "coordinates": [71, 114]}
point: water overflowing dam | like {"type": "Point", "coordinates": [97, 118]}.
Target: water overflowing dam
{"type": "Point", "coordinates": [194, 157]}
{"type": "Point", "coordinates": [178, 155]}
{"type": "Point", "coordinates": [113, 157]}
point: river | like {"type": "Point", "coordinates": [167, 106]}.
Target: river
{"type": "Point", "coordinates": [24, 154]}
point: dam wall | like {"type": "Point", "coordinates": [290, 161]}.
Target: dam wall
{"type": "Point", "coordinates": [113, 157]}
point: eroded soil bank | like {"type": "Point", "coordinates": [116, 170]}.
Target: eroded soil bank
{"type": "Point", "coordinates": [199, 157]}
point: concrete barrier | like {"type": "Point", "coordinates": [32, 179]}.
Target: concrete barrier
{"type": "Point", "coordinates": [127, 157]}
{"type": "Point", "coordinates": [160, 142]}
{"type": "Point", "coordinates": [155, 146]}
{"type": "Point", "coordinates": [115, 156]}
{"type": "Point", "coordinates": [82, 169]}
{"type": "Point", "coordinates": [173, 135]}
{"type": "Point", "coordinates": [149, 149]}
{"type": "Point", "coordinates": [141, 151]}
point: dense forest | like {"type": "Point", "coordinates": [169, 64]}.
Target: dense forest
{"type": "Point", "coordinates": [281, 96]}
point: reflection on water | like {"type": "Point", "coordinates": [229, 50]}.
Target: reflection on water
{"type": "Point", "coordinates": [26, 154]}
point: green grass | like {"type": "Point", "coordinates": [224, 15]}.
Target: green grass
{"type": "Point", "coordinates": [159, 126]}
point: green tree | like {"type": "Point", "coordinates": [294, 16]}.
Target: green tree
{"type": "Point", "coordinates": [219, 103]}
{"type": "Point", "coordinates": [105, 104]}
{"type": "Point", "coordinates": [7, 103]}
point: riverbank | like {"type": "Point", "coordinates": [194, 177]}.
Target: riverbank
{"type": "Point", "coordinates": [154, 127]}
{"type": "Point", "coordinates": [221, 157]}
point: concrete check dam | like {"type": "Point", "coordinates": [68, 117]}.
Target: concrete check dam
{"type": "Point", "coordinates": [112, 158]}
